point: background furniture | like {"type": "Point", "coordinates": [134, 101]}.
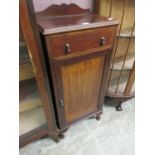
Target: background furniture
{"type": "Point", "coordinates": [36, 113]}
{"type": "Point", "coordinates": [121, 79]}
{"type": "Point", "coordinates": [31, 113]}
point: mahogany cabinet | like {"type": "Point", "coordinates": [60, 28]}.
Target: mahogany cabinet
{"type": "Point", "coordinates": [69, 51]}
{"type": "Point", "coordinates": [77, 47]}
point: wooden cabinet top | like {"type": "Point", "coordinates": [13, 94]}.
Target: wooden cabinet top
{"type": "Point", "coordinates": [66, 18]}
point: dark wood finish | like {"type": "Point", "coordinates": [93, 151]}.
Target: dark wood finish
{"type": "Point", "coordinates": [77, 55]}
{"type": "Point", "coordinates": [78, 51]}
{"type": "Point", "coordinates": [74, 66]}
{"type": "Point", "coordinates": [32, 40]}
{"type": "Point", "coordinates": [80, 82]}
{"type": "Point", "coordinates": [33, 135]}
{"type": "Point", "coordinates": [48, 23]}
{"type": "Point", "coordinates": [88, 56]}
{"type": "Point", "coordinates": [78, 41]}
{"type": "Point", "coordinates": [96, 6]}
{"type": "Point", "coordinates": [86, 80]}
{"type": "Point", "coordinates": [73, 22]}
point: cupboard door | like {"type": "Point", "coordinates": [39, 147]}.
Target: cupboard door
{"type": "Point", "coordinates": [78, 84]}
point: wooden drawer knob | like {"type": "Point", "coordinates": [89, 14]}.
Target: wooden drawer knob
{"type": "Point", "coordinates": [102, 41]}
{"type": "Point", "coordinates": [67, 48]}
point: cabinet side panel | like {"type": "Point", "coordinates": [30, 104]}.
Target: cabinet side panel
{"type": "Point", "coordinates": [81, 87]}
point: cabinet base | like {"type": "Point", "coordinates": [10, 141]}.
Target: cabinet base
{"type": "Point", "coordinates": [54, 136]}
{"type": "Point", "coordinates": [59, 133]}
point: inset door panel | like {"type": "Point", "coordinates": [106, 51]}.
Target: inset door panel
{"type": "Point", "coordinates": [78, 85]}
{"type": "Point", "coordinates": [81, 87]}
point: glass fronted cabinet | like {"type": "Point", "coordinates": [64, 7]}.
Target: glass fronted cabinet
{"type": "Point", "coordinates": [36, 112]}
{"type": "Point", "coordinates": [122, 76]}
{"type": "Point", "coordinates": [31, 112]}
{"type": "Point", "coordinates": [30, 108]}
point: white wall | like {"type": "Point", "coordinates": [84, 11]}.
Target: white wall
{"type": "Point", "coordinates": [40, 5]}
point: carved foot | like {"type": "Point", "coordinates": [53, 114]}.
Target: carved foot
{"type": "Point", "coordinates": [98, 117]}
{"type": "Point", "coordinates": [119, 107]}
{"type": "Point", "coordinates": [55, 138]}
{"type": "Point", "coordinates": [61, 136]}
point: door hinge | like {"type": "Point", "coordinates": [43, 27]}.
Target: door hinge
{"type": "Point", "coordinates": [61, 103]}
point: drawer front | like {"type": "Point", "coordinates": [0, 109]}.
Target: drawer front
{"type": "Point", "coordinates": [62, 44]}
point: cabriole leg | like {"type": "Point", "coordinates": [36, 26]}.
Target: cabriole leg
{"type": "Point", "coordinates": [119, 107]}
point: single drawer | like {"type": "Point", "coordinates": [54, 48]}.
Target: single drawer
{"type": "Point", "coordinates": [66, 43]}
